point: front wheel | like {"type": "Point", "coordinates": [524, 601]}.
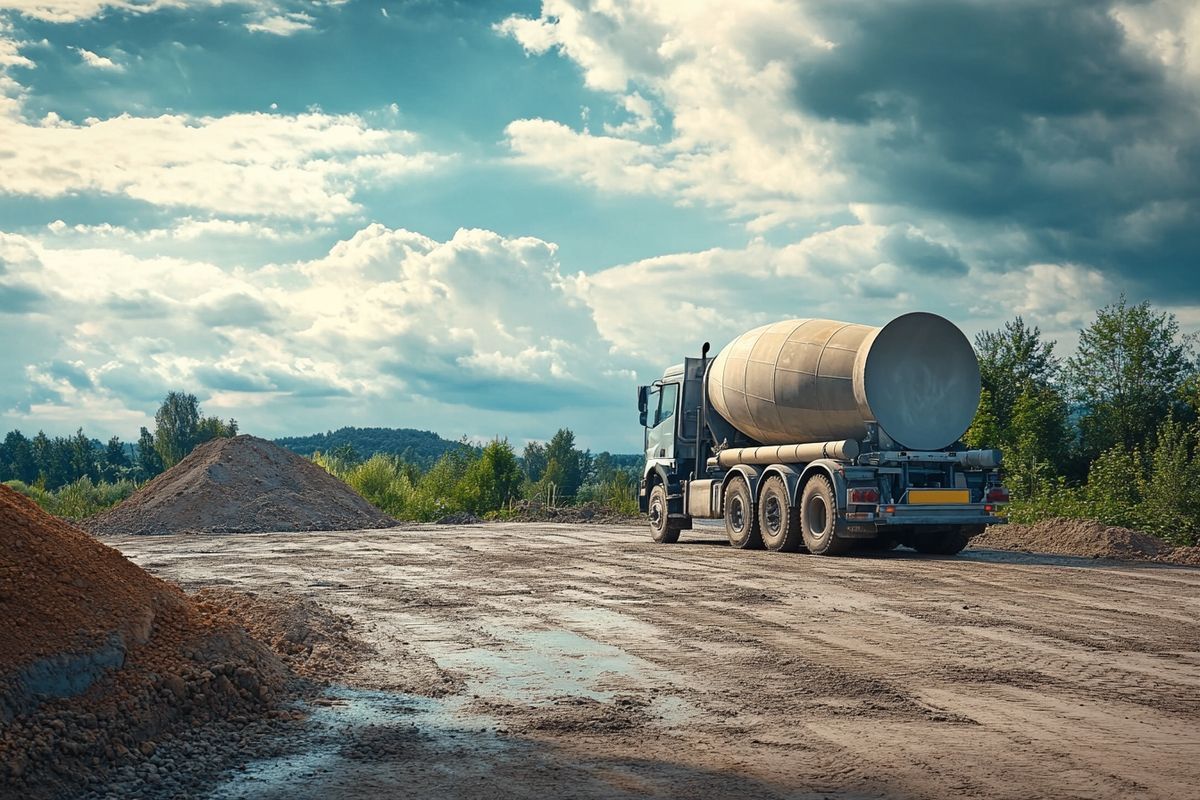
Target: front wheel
{"type": "Point", "coordinates": [741, 523]}
{"type": "Point", "coordinates": [818, 519]}
{"type": "Point", "coordinates": [663, 529]}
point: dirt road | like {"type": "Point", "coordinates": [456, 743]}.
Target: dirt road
{"type": "Point", "coordinates": [568, 661]}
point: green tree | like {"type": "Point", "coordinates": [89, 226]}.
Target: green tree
{"type": "Point", "coordinates": [533, 461]}
{"type": "Point", "coordinates": [19, 453]}
{"type": "Point", "coordinates": [1011, 359]}
{"type": "Point", "coordinates": [1170, 487]}
{"type": "Point", "coordinates": [116, 460]}
{"type": "Point", "coordinates": [564, 463]}
{"type": "Point", "coordinates": [491, 480]}
{"type": "Point", "coordinates": [1038, 440]}
{"type": "Point", "coordinates": [214, 428]}
{"type": "Point", "coordinates": [82, 458]}
{"type": "Point", "coordinates": [1128, 374]}
{"type": "Point", "coordinates": [985, 429]}
{"type": "Point", "coordinates": [179, 426]}
{"type": "Point", "coordinates": [1112, 486]}
{"type": "Point", "coordinates": [176, 427]}
{"type": "Point", "coordinates": [149, 463]}
{"type": "Point", "coordinates": [53, 460]}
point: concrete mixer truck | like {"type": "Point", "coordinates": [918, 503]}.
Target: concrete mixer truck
{"type": "Point", "coordinates": [825, 436]}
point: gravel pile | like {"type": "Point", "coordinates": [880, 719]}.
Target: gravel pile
{"type": "Point", "coordinates": [241, 485]}
{"type": "Point", "coordinates": [1085, 538]}
{"type": "Point", "coordinates": [101, 664]}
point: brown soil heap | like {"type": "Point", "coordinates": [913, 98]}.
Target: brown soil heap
{"type": "Point", "coordinates": [241, 485]}
{"type": "Point", "coordinates": [98, 658]}
{"type": "Point", "coordinates": [1076, 537]}
{"type": "Point", "coordinates": [312, 641]}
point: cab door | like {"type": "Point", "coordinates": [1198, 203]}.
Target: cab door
{"type": "Point", "coordinates": [661, 407]}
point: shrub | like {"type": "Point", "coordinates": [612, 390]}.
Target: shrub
{"type": "Point", "coordinates": [79, 499]}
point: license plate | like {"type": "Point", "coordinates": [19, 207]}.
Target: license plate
{"type": "Point", "coordinates": [938, 497]}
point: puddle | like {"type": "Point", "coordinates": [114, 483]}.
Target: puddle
{"type": "Point", "coordinates": [350, 729]}
{"type": "Point", "coordinates": [396, 738]}
{"type": "Point", "coordinates": [534, 667]}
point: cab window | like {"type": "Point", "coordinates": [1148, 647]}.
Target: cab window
{"type": "Point", "coordinates": [666, 405]}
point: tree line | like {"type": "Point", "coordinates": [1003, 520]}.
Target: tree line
{"type": "Point", "coordinates": [51, 463]}
{"type": "Point", "coordinates": [422, 448]}
{"type": "Point", "coordinates": [1110, 433]}
{"type": "Point", "coordinates": [489, 479]}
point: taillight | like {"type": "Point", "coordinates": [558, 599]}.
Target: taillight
{"type": "Point", "coordinates": [997, 494]}
{"type": "Point", "coordinates": [868, 495]}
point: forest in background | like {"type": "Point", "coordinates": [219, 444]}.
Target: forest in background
{"type": "Point", "coordinates": [410, 474]}
{"type": "Point", "coordinates": [1108, 433]}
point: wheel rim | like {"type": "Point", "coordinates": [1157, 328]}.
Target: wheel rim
{"type": "Point", "coordinates": [773, 513]}
{"type": "Point", "coordinates": [656, 514]}
{"type": "Point", "coordinates": [816, 516]}
{"type": "Point", "coordinates": [737, 514]}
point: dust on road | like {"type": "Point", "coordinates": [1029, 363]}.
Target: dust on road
{"type": "Point", "coordinates": [526, 660]}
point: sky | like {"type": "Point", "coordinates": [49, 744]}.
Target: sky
{"type": "Point", "coordinates": [497, 218]}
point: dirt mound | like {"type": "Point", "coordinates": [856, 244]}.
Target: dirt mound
{"type": "Point", "coordinates": [99, 658]}
{"type": "Point", "coordinates": [241, 485]}
{"type": "Point", "coordinates": [585, 513]}
{"type": "Point", "coordinates": [1184, 555]}
{"type": "Point", "coordinates": [313, 641]}
{"type": "Point", "coordinates": [1075, 537]}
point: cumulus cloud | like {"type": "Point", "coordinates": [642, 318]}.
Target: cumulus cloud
{"type": "Point", "coordinates": [97, 61]}
{"type": "Point", "coordinates": [303, 166]}
{"type": "Point", "coordinates": [281, 24]}
{"type": "Point", "coordinates": [479, 321]}
{"type": "Point", "coordinates": [1071, 123]}
{"type": "Point", "coordinates": [479, 326]}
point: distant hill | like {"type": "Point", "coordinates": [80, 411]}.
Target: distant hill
{"type": "Point", "coordinates": [416, 447]}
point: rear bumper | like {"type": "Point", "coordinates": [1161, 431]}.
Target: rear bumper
{"type": "Point", "coordinates": [864, 523]}
{"type": "Point", "coordinates": [928, 515]}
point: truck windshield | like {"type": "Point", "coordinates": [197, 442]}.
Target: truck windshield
{"type": "Point", "coordinates": [666, 406]}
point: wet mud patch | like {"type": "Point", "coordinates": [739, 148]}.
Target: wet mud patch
{"type": "Point", "coordinates": [585, 715]}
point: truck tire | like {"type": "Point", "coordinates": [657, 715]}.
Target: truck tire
{"type": "Point", "coordinates": [741, 523]}
{"type": "Point", "coordinates": [947, 543]}
{"type": "Point", "coordinates": [778, 522]}
{"type": "Point", "coordinates": [818, 519]}
{"type": "Point", "coordinates": [663, 529]}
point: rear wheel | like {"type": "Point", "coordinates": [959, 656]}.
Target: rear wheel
{"type": "Point", "coordinates": [777, 520]}
{"type": "Point", "coordinates": [741, 523]}
{"type": "Point", "coordinates": [818, 519]}
{"type": "Point", "coordinates": [663, 529]}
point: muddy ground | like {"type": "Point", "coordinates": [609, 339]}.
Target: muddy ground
{"type": "Point", "coordinates": [526, 660]}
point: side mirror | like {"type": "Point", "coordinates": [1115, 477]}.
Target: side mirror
{"type": "Point", "coordinates": [643, 392]}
